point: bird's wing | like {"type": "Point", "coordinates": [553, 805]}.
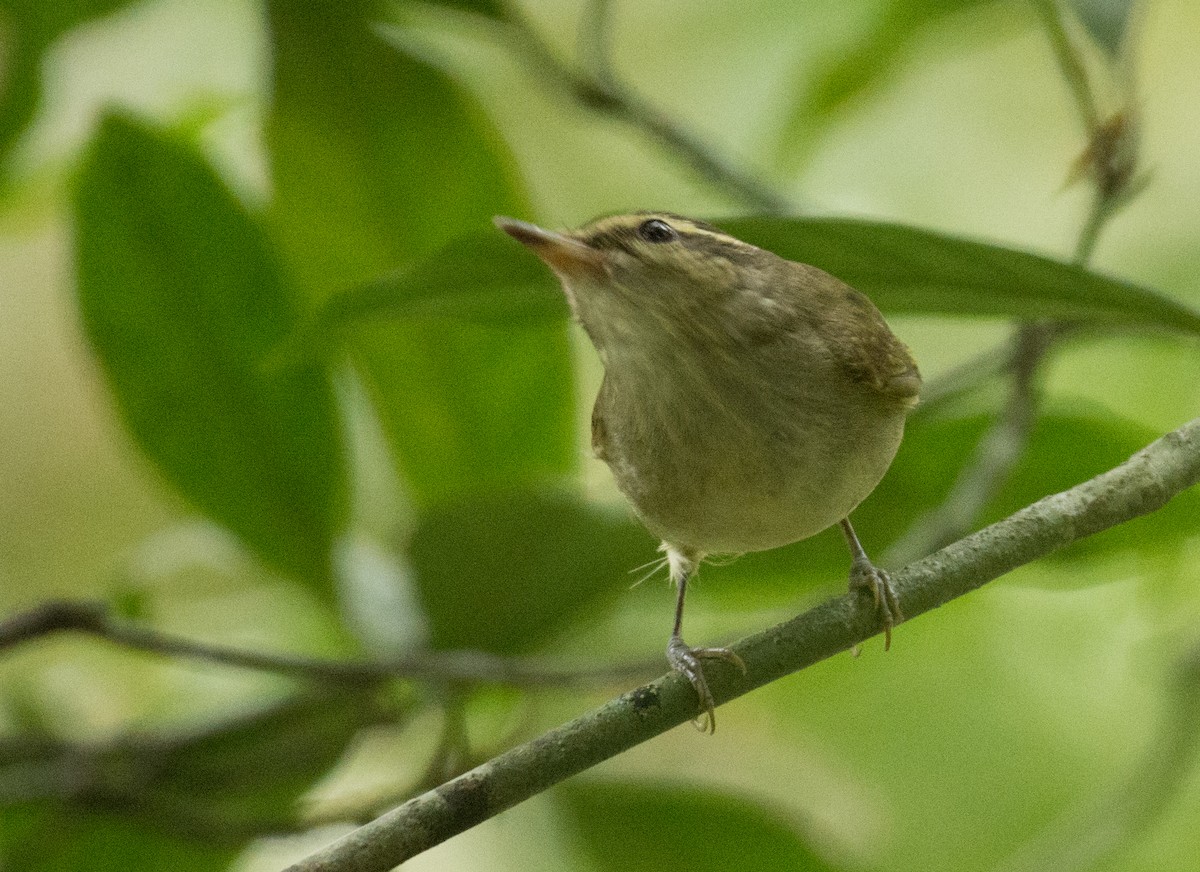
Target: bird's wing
{"type": "Point", "coordinates": [599, 433]}
{"type": "Point", "coordinates": [861, 341]}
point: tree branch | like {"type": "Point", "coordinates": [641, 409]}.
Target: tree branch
{"type": "Point", "coordinates": [599, 90]}
{"type": "Point", "coordinates": [94, 618]}
{"type": "Point", "coordinates": [1141, 485]}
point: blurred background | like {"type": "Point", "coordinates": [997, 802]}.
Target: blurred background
{"type": "Point", "coordinates": [441, 463]}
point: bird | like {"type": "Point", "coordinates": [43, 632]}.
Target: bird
{"type": "Point", "coordinates": [748, 401]}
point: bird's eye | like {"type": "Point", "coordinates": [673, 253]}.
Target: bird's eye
{"type": "Point", "coordinates": [656, 230]}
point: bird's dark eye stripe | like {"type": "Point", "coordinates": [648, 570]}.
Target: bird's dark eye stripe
{"type": "Point", "coordinates": [657, 230]}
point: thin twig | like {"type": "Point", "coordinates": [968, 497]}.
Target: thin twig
{"type": "Point", "coordinates": [595, 40]}
{"type": "Point", "coordinates": [1070, 62]}
{"type": "Point", "coordinates": [1111, 159]}
{"type": "Point", "coordinates": [442, 666]}
{"type": "Point", "coordinates": [1141, 485]}
{"type": "Point", "coordinates": [604, 94]}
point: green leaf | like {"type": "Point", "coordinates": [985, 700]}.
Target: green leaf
{"type": "Point", "coordinates": [1106, 21]}
{"type": "Point", "coordinates": [27, 29]}
{"type": "Point", "coordinates": [627, 827]}
{"type": "Point", "coordinates": [504, 573]}
{"type": "Point", "coordinates": [861, 67]}
{"type": "Point", "coordinates": [1055, 463]}
{"type": "Point", "coordinates": [187, 802]}
{"type": "Point", "coordinates": [88, 841]}
{"type": "Point", "coordinates": [182, 302]}
{"type": "Point", "coordinates": [492, 8]}
{"type": "Point", "coordinates": [474, 279]}
{"type": "Point", "coordinates": [903, 269]}
{"type": "Point", "coordinates": [378, 161]}
{"type": "Point", "coordinates": [256, 768]}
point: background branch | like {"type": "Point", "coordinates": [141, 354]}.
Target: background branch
{"type": "Point", "coordinates": [1110, 158]}
{"type": "Point", "coordinates": [1141, 485]}
{"type": "Point", "coordinates": [94, 618]}
{"type": "Point", "coordinates": [598, 89]}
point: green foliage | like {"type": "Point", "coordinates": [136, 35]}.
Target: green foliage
{"type": "Point", "coordinates": [903, 269]}
{"type": "Point", "coordinates": [220, 328]}
{"type": "Point", "coordinates": [378, 160]}
{"type": "Point", "coordinates": [698, 830]}
{"type": "Point", "coordinates": [183, 300]}
{"type": "Point", "coordinates": [935, 449]}
{"type": "Point", "coordinates": [185, 803]}
{"type": "Point", "coordinates": [506, 573]}
{"type": "Point", "coordinates": [27, 30]}
{"type": "Point", "coordinates": [864, 66]}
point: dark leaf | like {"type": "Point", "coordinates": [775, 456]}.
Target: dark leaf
{"type": "Point", "coordinates": [66, 841]}
{"type": "Point", "coordinates": [902, 268]}
{"type": "Point", "coordinates": [628, 827]}
{"type": "Point", "coordinates": [185, 802]}
{"type": "Point", "coordinates": [379, 160]}
{"type": "Point", "coordinates": [493, 8]}
{"type": "Point", "coordinates": [506, 572]}
{"type": "Point", "coordinates": [183, 301]}
{"type": "Point", "coordinates": [256, 768]}
{"type": "Point", "coordinates": [905, 269]}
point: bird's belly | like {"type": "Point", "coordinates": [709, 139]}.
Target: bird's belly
{"type": "Point", "coordinates": [760, 491]}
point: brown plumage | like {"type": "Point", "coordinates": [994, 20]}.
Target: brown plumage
{"type": "Point", "coordinates": [748, 401]}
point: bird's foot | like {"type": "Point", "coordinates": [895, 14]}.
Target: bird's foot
{"type": "Point", "coordinates": [687, 660]}
{"type": "Point", "coordinates": [866, 576]}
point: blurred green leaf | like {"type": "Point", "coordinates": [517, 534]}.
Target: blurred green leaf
{"type": "Point", "coordinates": [628, 827]}
{"type": "Point", "coordinates": [506, 572]}
{"type": "Point", "coordinates": [99, 841]}
{"type": "Point", "coordinates": [474, 279]}
{"type": "Point", "coordinates": [933, 452]}
{"type": "Point", "coordinates": [256, 768]}
{"type": "Point", "coordinates": [182, 301]}
{"type": "Point", "coordinates": [493, 8]}
{"type": "Point", "coordinates": [378, 161]}
{"type": "Point", "coordinates": [1105, 20]}
{"type": "Point", "coordinates": [860, 68]}
{"type": "Point", "coordinates": [1056, 462]}
{"type": "Point", "coordinates": [27, 29]}
{"type": "Point", "coordinates": [203, 795]}
{"type": "Point", "coordinates": [903, 269]}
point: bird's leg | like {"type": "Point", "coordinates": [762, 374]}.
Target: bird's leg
{"type": "Point", "coordinates": [865, 575]}
{"type": "Point", "coordinates": [686, 659]}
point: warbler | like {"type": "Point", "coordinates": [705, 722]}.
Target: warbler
{"type": "Point", "coordinates": [748, 401]}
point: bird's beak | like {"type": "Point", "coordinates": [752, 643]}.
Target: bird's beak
{"type": "Point", "coordinates": [566, 256]}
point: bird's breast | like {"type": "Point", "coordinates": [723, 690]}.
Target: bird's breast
{"type": "Point", "coordinates": [746, 462]}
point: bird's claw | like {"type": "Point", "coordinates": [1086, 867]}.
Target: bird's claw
{"type": "Point", "coordinates": [866, 576]}
{"type": "Point", "coordinates": [687, 661]}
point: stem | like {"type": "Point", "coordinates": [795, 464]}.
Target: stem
{"type": "Point", "coordinates": [1070, 62]}
{"type": "Point", "coordinates": [599, 90]}
{"type": "Point", "coordinates": [444, 666]}
{"type": "Point", "coordinates": [1141, 485]}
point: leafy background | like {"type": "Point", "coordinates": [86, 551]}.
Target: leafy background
{"type": "Point", "coordinates": [271, 380]}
